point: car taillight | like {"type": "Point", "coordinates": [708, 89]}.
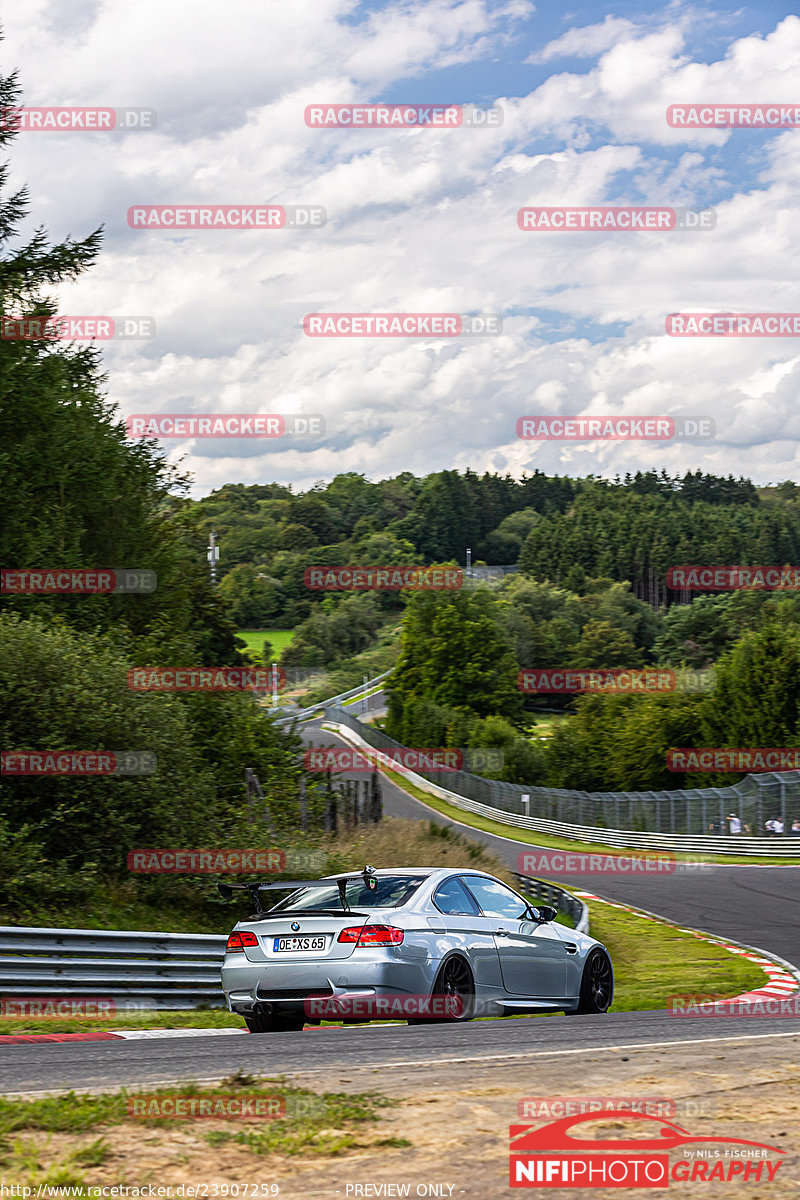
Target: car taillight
{"type": "Point", "coordinates": [372, 935]}
{"type": "Point", "coordinates": [238, 941]}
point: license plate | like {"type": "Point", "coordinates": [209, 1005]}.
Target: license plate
{"type": "Point", "coordinates": [288, 944]}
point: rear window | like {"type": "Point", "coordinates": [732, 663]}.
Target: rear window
{"type": "Point", "coordinates": [392, 891]}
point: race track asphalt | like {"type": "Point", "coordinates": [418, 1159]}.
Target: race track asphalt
{"type": "Point", "coordinates": [376, 1049]}
{"type": "Point", "coordinates": [756, 905]}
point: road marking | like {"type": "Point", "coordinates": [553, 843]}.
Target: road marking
{"type": "Point", "coordinates": [378, 1066]}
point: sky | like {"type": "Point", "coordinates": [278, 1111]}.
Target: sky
{"type": "Point", "coordinates": [425, 221]}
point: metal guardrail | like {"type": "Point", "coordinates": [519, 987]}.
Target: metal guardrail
{"type": "Point", "coordinates": [148, 970]}
{"type": "Point", "coordinates": [302, 713]}
{"type": "Point", "coordinates": [503, 802]}
{"type": "Point", "coordinates": [151, 970]}
{"type": "Point", "coordinates": [550, 893]}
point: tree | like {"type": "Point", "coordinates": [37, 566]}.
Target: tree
{"type": "Point", "coordinates": [455, 653]}
{"type": "Point", "coordinates": [756, 701]}
{"type": "Point", "coordinates": [77, 493]}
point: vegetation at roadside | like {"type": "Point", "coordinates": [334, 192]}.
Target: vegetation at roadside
{"type": "Point", "coordinates": [548, 841]}
{"type": "Point", "coordinates": [58, 1140]}
{"type": "Point", "coordinates": [254, 640]}
{"type": "Point", "coordinates": [654, 960]}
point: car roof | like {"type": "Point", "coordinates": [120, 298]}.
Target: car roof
{"type": "Point", "coordinates": [424, 872]}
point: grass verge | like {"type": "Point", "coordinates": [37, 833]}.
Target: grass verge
{"type": "Point", "coordinates": [654, 960]}
{"type": "Point", "coordinates": [549, 841]}
{"type": "Point", "coordinates": [254, 640]}
{"type": "Point", "coordinates": [87, 1141]}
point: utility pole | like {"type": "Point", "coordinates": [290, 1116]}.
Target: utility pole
{"type": "Point", "coordinates": [469, 562]}
{"type": "Point", "coordinates": [274, 685]}
{"type": "Point", "coordinates": [213, 556]}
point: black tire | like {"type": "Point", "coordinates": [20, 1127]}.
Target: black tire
{"type": "Point", "coordinates": [597, 984]}
{"type": "Point", "coordinates": [454, 982]}
{"type": "Point", "coordinates": [275, 1022]}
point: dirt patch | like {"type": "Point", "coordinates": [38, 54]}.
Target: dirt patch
{"type": "Point", "coordinates": [451, 1138]}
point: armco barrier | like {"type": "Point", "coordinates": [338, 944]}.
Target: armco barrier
{"type": "Point", "coordinates": [158, 970]}
{"type": "Point", "coordinates": [550, 893]}
{"type": "Point", "coordinates": [302, 713]}
{"type": "Point", "coordinates": [152, 970]}
{"type": "Point", "coordinates": [687, 814]}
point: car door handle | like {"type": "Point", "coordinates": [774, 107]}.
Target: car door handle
{"type": "Point", "coordinates": [501, 932]}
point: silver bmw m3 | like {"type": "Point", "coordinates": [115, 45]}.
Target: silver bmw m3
{"type": "Point", "coordinates": [418, 943]}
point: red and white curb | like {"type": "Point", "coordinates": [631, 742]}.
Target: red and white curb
{"type": "Point", "coordinates": [101, 1035]}
{"type": "Point", "coordinates": [782, 979]}
{"type": "Point", "coordinates": [128, 1035]}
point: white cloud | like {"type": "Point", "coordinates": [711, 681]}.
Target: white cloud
{"type": "Point", "coordinates": [586, 42]}
{"type": "Point", "coordinates": [419, 221]}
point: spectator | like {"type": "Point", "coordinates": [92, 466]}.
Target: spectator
{"type": "Point", "coordinates": [770, 825]}
{"type": "Point", "coordinates": [796, 825]}
{"type": "Point", "coordinates": [777, 825]}
{"type": "Point", "coordinates": [734, 824]}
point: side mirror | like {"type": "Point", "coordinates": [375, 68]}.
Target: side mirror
{"type": "Point", "coordinates": [545, 913]}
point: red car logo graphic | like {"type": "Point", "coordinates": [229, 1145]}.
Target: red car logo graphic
{"type": "Point", "coordinates": [552, 1156]}
{"type": "Point", "coordinates": [556, 1136]}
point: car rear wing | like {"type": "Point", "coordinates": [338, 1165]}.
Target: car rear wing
{"type": "Point", "coordinates": [226, 890]}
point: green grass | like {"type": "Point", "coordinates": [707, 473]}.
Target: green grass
{"type": "Point", "coordinates": [549, 841]}
{"type": "Point", "coordinates": [654, 960]}
{"type": "Point", "coordinates": [211, 1018]}
{"type": "Point", "coordinates": [323, 1124]}
{"type": "Point", "coordinates": [255, 638]}
{"type": "Point", "coordinates": [547, 723]}
{"type": "Point", "coordinates": [356, 700]}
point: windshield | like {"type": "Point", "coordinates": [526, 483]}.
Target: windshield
{"type": "Point", "coordinates": [391, 891]}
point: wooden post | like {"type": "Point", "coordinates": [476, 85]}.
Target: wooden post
{"type": "Point", "coordinates": [254, 789]}
{"type": "Point", "coordinates": [303, 812]}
